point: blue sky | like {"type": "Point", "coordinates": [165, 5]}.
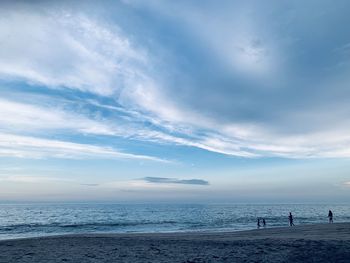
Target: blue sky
{"type": "Point", "coordinates": [192, 101]}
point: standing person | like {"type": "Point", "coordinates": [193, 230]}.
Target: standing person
{"type": "Point", "coordinates": [290, 217]}
{"type": "Point", "coordinates": [330, 216]}
{"type": "Point", "coordinates": [258, 223]}
{"type": "Point", "coordinates": [264, 222]}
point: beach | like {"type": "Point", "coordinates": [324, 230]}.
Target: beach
{"type": "Point", "coordinates": [304, 243]}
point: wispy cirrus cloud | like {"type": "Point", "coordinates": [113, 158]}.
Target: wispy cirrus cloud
{"type": "Point", "coordinates": [58, 49]}
{"type": "Point", "coordinates": [245, 142]}
{"type": "Point", "coordinates": [31, 147]}
{"type": "Point", "coordinates": [35, 117]}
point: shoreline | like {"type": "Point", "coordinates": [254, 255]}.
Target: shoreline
{"type": "Point", "coordinates": [302, 243]}
{"type": "Point", "coordinates": [276, 232]}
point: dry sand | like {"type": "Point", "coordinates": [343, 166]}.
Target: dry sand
{"type": "Point", "coordinates": [308, 243]}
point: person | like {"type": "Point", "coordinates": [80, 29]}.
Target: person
{"type": "Point", "coordinates": [264, 222]}
{"type": "Point", "coordinates": [290, 217]}
{"type": "Point", "coordinates": [330, 216]}
{"type": "Point", "coordinates": [258, 223]}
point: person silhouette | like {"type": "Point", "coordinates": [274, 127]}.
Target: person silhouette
{"type": "Point", "coordinates": [264, 222]}
{"type": "Point", "coordinates": [330, 216]}
{"type": "Point", "coordinates": [290, 217]}
{"type": "Point", "coordinates": [258, 224]}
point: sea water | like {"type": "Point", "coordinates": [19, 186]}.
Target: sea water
{"type": "Point", "coordinates": [29, 220]}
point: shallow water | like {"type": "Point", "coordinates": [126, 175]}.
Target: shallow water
{"type": "Point", "coordinates": [28, 220]}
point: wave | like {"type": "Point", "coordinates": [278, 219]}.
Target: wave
{"type": "Point", "coordinates": [84, 225]}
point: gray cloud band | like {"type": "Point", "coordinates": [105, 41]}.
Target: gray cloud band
{"type": "Point", "coordinates": [164, 180]}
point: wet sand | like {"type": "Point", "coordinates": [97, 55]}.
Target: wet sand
{"type": "Point", "coordinates": [307, 243]}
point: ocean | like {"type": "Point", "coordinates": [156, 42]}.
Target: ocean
{"type": "Point", "coordinates": [31, 220]}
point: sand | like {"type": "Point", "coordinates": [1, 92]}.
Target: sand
{"type": "Point", "coordinates": [308, 243]}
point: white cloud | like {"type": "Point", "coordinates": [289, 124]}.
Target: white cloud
{"type": "Point", "coordinates": [34, 118]}
{"type": "Point", "coordinates": [29, 117]}
{"type": "Point", "coordinates": [57, 49]}
{"type": "Point", "coordinates": [30, 147]}
{"type": "Point", "coordinates": [243, 141]}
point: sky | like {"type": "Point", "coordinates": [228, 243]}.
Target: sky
{"type": "Point", "coordinates": [175, 101]}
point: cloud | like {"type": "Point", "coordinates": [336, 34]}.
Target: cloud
{"type": "Point", "coordinates": [255, 102]}
{"type": "Point", "coordinates": [58, 49]}
{"type": "Point", "coordinates": [31, 147]}
{"type": "Point", "coordinates": [34, 179]}
{"type": "Point", "coordinates": [163, 180]}
{"type": "Point", "coordinates": [277, 115]}
{"type": "Point", "coordinates": [92, 185]}
{"type": "Point", "coordinates": [235, 140]}
{"type": "Point", "coordinates": [16, 116]}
